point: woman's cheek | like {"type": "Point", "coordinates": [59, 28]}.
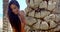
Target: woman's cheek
{"type": "Point", "coordinates": [15, 11]}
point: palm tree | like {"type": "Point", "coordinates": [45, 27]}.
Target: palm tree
{"type": "Point", "coordinates": [5, 20]}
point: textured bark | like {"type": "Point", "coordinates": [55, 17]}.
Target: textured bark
{"type": "Point", "coordinates": [6, 24]}
{"type": "Point", "coordinates": [46, 16]}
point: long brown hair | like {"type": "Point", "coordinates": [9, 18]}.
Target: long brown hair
{"type": "Point", "coordinates": [14, 19]}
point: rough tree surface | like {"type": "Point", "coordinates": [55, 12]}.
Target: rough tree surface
{"type": "Point", "coordinates": [42, 16]}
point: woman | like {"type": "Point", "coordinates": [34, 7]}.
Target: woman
{"type": "Point", "coordinates": [16, 17]}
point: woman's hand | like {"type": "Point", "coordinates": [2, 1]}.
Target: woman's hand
{"type": "Point", "coordinates": [22, 16]}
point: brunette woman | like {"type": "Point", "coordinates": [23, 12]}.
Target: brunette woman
{"type": "Point", "coordinates": [16, 17]}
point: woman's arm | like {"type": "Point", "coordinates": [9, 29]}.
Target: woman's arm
{"type": "Point", "coordinates": [22, 17]}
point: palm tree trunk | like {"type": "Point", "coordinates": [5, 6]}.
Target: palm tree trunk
{"type": "Point", "coordinates": [5, 20]}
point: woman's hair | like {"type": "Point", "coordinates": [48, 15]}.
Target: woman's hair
{"type": "Point", "coordinates": [14, 19]}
